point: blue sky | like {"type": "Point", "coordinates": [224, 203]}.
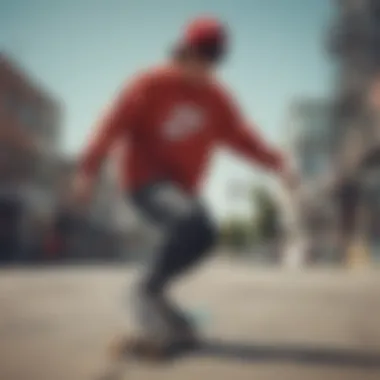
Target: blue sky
{"type": "Point", "coordinates": [82, 50]}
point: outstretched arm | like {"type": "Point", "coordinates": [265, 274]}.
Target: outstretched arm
{"type": "Point", "coordinates": [244, 139]}
{"type": "Point", "coordinates": [122, 116]}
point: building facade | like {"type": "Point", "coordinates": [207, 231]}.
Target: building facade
{"type": "Point", "coordinates": [354, 43]}
{"type": "Point", "coordinates": [30, 127]}
{"type": "Point", "coordinates": [31, 122]}
{"type": "Point", "coordinates": [311, 142]}
{"type": "Point", "coordinates": [35, 180]}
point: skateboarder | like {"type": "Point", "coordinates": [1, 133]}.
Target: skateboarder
{"type": "Point", "coordinates": [167, 121]}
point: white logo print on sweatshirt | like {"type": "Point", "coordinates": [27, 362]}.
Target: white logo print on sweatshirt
{"type": "Point", "coordinates": [183, 121]}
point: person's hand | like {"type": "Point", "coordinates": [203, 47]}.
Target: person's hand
{"type": "Point", "coordinates": [290, 179]}
{"type": "Point", "coordinates": [81, 192]}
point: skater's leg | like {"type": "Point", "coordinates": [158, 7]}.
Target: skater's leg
{"type": "Point", "coordinates": [189, 234]}
{"type": "Point", "coordinates": [186, 243]}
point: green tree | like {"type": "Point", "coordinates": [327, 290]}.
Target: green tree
{"type": "Point", "coordinates": [266, 220]}
{"type": "Point", "coordinates": [234, 233]}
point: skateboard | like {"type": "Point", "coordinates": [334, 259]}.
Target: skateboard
{"type": "Point", "coordinates": [139, 347]}
{"type": "Point", "coordinates": [127, 351]}
{"type": "Point", "coordinates": [143, 349]}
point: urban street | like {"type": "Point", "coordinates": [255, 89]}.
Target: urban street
{"type": "Point", "coordinates": [58, 322]}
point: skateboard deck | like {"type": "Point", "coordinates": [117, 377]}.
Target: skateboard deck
{"type": "Point", "coordinates": [251, 352]}
{"type": "Point", "coordinates": [200, 317]}
{"type": "Point", "coordinates": [140, 349]}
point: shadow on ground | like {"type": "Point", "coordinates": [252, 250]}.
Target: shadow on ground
{"type": "Point", "coordinates": [294, 354]}
{"type": "Point", "coordinates": [299, 355]}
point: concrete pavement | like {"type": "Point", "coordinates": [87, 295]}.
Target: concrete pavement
{"type": "Point", "coordinates": [56, 323]}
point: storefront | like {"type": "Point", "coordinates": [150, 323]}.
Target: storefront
{"type": "Point", "coordinates": [370, 206]}
{"type": "Point", "coordinates": [24, 213]}
{"type": "Point", "coordinates": [10, 221]}
{"type": "Point", "coordinates": [320, 227]}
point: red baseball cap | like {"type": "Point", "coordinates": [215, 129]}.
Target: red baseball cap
{"type": "Point", "coordinates": [206, 35]}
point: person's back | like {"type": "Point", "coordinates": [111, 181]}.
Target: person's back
{"type": "Point", "coordinates": [174, 138]}
{"type": "Point", "coordinates": [183, 118]}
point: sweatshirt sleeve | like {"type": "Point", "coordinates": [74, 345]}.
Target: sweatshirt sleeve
{"type": "Point", "coordinates": [122, 116]}
{"type": "Point", "coordinates": [243, 138]}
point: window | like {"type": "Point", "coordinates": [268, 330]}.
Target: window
{"type": "Point", "coordinates": [28, 115]}
{"type": "Point", "coordinates": [48, 127]}
{"type": "Point", "coordinates": [11, 101]}
{"type": "Point", "coordinates": [314, 163]}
